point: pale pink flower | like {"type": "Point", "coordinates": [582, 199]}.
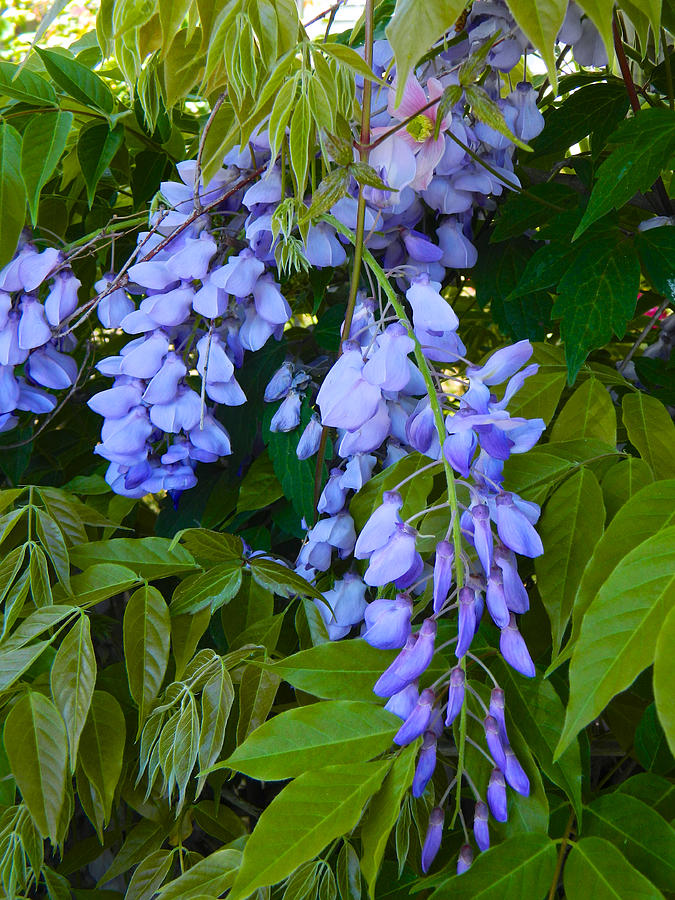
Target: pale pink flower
{"type": "Point", "coordinates": [419, 133]}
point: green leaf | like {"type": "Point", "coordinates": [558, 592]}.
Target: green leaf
{"type": "Point", "coordinates": [595, 868]}
{"type": "Point", "coordinates": [298, 142]}
{"type": "Point", "coordinates": [281, 112]}
{"type": "Point", "coordinates": [14, 662]}
{"type": "Point", "coordinates": [213, 589]}
{"type": "Point", "coordinates": [383, 811]}
{"type": "Point", "coordinates": [621, 481]}
{"type": "Point", "coordinates": [651, 431]}
{"type": "Point", "coordinates": [541, 21]}
{"type": "Point", "coordinates": [339, 670]}
{"type": "Point", "coordinates": [257, 691]}
{"type": "Point", "coordinates": [36, 624]}
{"type": "Point", "coordinates": [427, 20]}
{"type": "Point", "coordinates": [151, 557]}
{"type": "Point", "coordinates": [486, 110]}
{"type": "Point", "coordinates": [52, 540]}
{"type": "Point", "coordinates": [147, 629]}
{"type": "Point", "coordinates": [208, 547]}
{"type": "Point", "coordinates": [211, 876]}
{"type": "Point", "coordinates": [96, 148]}
{"type": "Point", "coordinates": [37, 747]}
{"type": "Point", "coordinates": [102, 747]}
{"type": "Point", "coordinates": [216, 699]}
{"type": "Point", "coordinates": [72, 678]}
{"type": "Point", "coordinates": [644, 145]}
{"type": "Point", "coordinates": [186, 632]}
{"type": "Point", "coordinates": [331, 189]}
{"type": "Point", "coordinates": [538, 710]}
{"type": "Point", "coordinates": [588, 413]}
{"type": "Point", "coordinates": [77, 80]}
{"type": "Point", "coordinates": [570, 527]}
{"type": "Point", "coordinates": [664, 678]}
{"type": "Point", "coordinates": [350, 58]}
{"type": "Point", "coordinates": [619, 631]}
{"type": "Point", "coordinates": [650, 743]}
{"type": "Point", "coordinates": [655, 791]}
{"type": "Point", "coordinates": [43, 142]}
{"type": "Point", "coordinates": [522, 211]}
{"type": "Point", "coordinates": [12, 192]}
{"type": "Point", "coordinates": [414, 492]}
{"type": "Point", "coordinates": [645, 839]}
{"type": "Point", "coordinates": [40, 586]}
{"type": "Point", "coordinates": [142, 839]}
{"type": "Point", "coordinates": [597, 296]}
{"type": "Point", "coordinates": [314, 736]}
{"type": "Point", "coordinates": [26, 86]}
{"type": "Point", "coordinates": [656, 247]}
{"type": "Point", "coordinates": [281, 580]}
{"type": "Point", "coordinates": [582, 112]}
{"type": "Point", "coordinates": [98, 582]}
{"type": "Point", "coordinates": [522, 866]}
{"type": "Point", "coordinates": [149, 875]}
{"type": "Point", "coordinates": [532, 474]}
{"type": "Point", "coordinates": [309, 813]}
{"type": "Point", "coordinates": [260, 486]}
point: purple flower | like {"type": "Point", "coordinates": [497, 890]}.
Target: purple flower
{"type": "Point", "coordinates": [164, 385]}
{"type": "Point", "coordinates": [279, 384]}
{"type": "Point", "coordinates": [333, 496]}
{"type": "Point", "coordinates": [310, 439]}
{"type": "Point", "coordinates": [388, 622]}
{"type": "Point", "coordinates": [514, 589]}
{"type": "Point", "coordinates": [33, 328]}
{"type": "Point", "coordinates": [180, 414]}
{"type": "Point", "coordinates": [143, 357]}
{"type": "Point", "coordinates": [496, 796]}
{"type": "Point", "coordinates": [420, 429]}
{"type": "Point", "coordinates": [358, 471]}
{"type": "Point", "coordinates": [458, 251]}
{"type": "Point", "coordinates": [287, 417]}
{"type": "Point", "coordinates": [443, 573]}
{"type": "Point", "coordinates": [466, 627]}
{"type": "Point", "coordinates": [403, 703]}
{"type": "Point", "coordinates": [455, 695]}
{"type": "Point", "coordinates": [497, 712]}
{"type": "Point", "coordinates": [62, 298]}
{"type": "Point", "coordinates": [482, 534]}
{"type": "Point", "coordinates": [239, 275]}
{"type": "Point", "coordinates": [387, 366]}
{"type": "Point", "coordinates": [418, 720]}
{"type": "Point", "coordinates": [345, 398]}
{"type": "Point", "coordinates": [480, 826]}
{"type": "Point", "coordinates": [413, 659]}
{"type": "Point", "coordinates": [514, 650]}
{"type": "Point", "coordinates": [494, 741]}
{"type": "Point", "coordinates": [344, 607]}
{"type": "Point", "coordinates": [514, 528]}
{"type": "Point", "coordinates": [380, 526]}
{"type": "Point", "coordinates": [433, 837]}
{"type": "Point", "coordinates": [368, 436]}
{"type": "Point", "coordinates": [394, 559]}
{"type": "Point", "coordinates": [495, 598]}
{"type": "Point", "coordinates": [515, 774]}
{"type": "Point", "coordinates": [502, 364]}
{"type": "Point", "coordinates": [51, 369]}
{"type": "Point", "coordinates": [426, 763]}
{"type": "Point", "coordinates": [464, 859]}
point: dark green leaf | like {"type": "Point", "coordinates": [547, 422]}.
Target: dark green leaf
{"type": "Point", "coordinates": [96, 148]}
{"type": "Point", "coordinates": [280, 580]}
{"type": "Point", "coordinates": [12, 192]}
{"type": "Point", "coordinates": [26, 86]}
{"type": "Point", "coordinates": [102, 747]}
{"type": "Point", "coordinates": [213, 589]}
{"type": "Point", "coordinates": [523, 211]}
{"type": "Point", "coordinates": [656, 247]}
{"type": "Point", "coordinates": [644, 146]}
{"type": "Point", "coordinates": [72, 679]}
{"type": "Point", "coordinates": [595, 868]}
{"type": "Point", "coordinates": [147, 628]}
{"type": "Point", "coordinates": [44, 140]}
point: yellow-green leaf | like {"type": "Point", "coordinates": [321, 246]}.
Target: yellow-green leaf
{"type": "Point", "coordinates": [651, 431]}
{"type": "Point", "coordinates": [664, 678]}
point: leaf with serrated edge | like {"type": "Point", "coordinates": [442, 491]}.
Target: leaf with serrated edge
{"type": "Point", "coordinates": [309, 813]}
{"type": "Point", "coordinates": [312, 737]}
{"type": "Point", "coordinates": [619, 631]}
{"type": "Point", "coordinates": [595, 868]}
{"type": "Point", "coordinates": [664, 678]}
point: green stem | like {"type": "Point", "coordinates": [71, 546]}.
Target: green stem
{"type": "Point", "coordinates": [453, 503]}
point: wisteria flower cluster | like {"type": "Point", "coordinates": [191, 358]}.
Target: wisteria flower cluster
{"type": "Point", "coordinates": [38, 292]}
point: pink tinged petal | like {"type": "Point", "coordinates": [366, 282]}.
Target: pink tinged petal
{"type": "Point", "coordinates": [412, 101]}
{"type": "Point", "coordinates": [427, 159]}
{"type": "Point", "coordinates": [33, 329]}
{"type": "Point", "coordinates": [396, 157]}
